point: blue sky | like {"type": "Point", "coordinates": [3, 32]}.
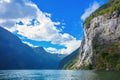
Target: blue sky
{"type": "Point", "coordinates": [55, 25]}
{"type": "Point", "coordinates": [68, 12]}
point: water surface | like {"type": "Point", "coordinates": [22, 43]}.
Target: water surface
{"type": "Point", "coordinates": [58, 75]}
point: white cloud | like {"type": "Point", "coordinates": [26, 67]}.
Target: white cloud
{"type": "Point", "coordinates": [29, 44]}
{"type": "Point", "coordinates": [90, 10]}
{"type": "Point", "coordinates": [15, 10]}
{"type": "Point", "coordinates": [52, 50]}
{"type": "Point", "coordinates": [1, 1]}
{"type": "Point", "coordinates": [43, 29]}
{"type": "Point", "coordinates": [70, 47]}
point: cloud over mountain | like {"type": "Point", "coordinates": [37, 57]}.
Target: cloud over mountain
{"type": "Point", "coordinates": [29, 21]}
{"type": "Point", "coordinates": [90, 10]}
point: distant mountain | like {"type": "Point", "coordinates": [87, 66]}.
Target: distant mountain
{"type": "Point", "coordinates": [69, 61]}
{"type": "Point", "coordinates": [16, 55]}
{"type": "Point", "coordinates": [51, 60]}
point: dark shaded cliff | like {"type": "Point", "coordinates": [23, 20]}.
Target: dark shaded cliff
{"type": "Point", "coordinates": [16, 55]}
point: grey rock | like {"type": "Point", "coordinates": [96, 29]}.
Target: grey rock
{"type": "Point", "coordinates": [104, 30]}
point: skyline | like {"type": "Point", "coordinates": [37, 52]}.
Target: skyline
{"type": "Point", "coordinates": [54, 25]}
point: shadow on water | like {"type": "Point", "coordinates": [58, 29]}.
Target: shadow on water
{"type": "Point", "coordinates": [58, 75]}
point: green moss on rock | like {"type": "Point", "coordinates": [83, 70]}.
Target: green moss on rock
{"type": "Point", "coordinates": [109, 57]}
{"type": "Point", "coordinates": [118, 66]}
{"type": "Point", "coordinates": [107, 8]}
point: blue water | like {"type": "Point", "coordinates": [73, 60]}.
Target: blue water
{"type": "Point", "coordinates": [58, 75]}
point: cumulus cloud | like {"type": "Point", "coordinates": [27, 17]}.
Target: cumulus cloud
{"type": "Point", "coordinates": [1, 1]}
{"type": "Point", "coordinates": [36, 25]}
{"type": "Point", "coordinates": [29, 44]}
{"type": "Point", "coordinates": [90, 10]}
{"type": "Point", "coordinates": [15, 10]}
{"type": "Point", "coordinates": [51, 50]}
{"type": "Point", "coordinates": [70, 47]}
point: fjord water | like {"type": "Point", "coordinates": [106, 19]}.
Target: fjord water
{"type": "Point", "coordinates": [58, 75]}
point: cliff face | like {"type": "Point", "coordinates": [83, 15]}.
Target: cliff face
{"type": "Point", "coordinates": [100, 47]}
{"type": "Point", "coordinates": [101, 43]}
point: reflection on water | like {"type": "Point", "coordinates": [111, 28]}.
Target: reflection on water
{"type": "Point", "coordinates": [58, 75]}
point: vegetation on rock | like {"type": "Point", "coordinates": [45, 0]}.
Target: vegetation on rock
{"type": "Point", "coordinates": [109, 57]}
{"type": "Point", "coordinates": [103, 42]}
{"type": "Point", "coordinates": [107, 8]}
{"type": "Point", "coordinates": [69, 62]}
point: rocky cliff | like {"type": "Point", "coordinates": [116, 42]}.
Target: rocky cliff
{"type": "Point", "coordinates": [100, 47]}
{"type": "Point", "coordinates": [101, 43]}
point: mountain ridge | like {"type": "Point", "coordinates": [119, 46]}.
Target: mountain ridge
{"type": "Point", "coordinates": [16, 55]}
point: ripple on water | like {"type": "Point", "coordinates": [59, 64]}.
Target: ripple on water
{"type": "Point", "coordinates": [58, 75]}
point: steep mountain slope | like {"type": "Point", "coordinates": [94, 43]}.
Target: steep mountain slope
{"type": "Point", "coordinates": [16, 55]}
{"type": "Point", "coordinates": [69, 61]}
{"type": "Point", "coordinates": [51, 60]}
{"type": "Point", "coordinates": [100, 48]}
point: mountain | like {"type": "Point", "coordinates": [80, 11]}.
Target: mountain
{"type": "Point", "coordinates": [100, 47]}
{"type": "Point", "coordinates": [69, 61]}
{"type": "Point", "coordinates": [51, 60]}
{"type": "Point", "coordinates": [16, 55]}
